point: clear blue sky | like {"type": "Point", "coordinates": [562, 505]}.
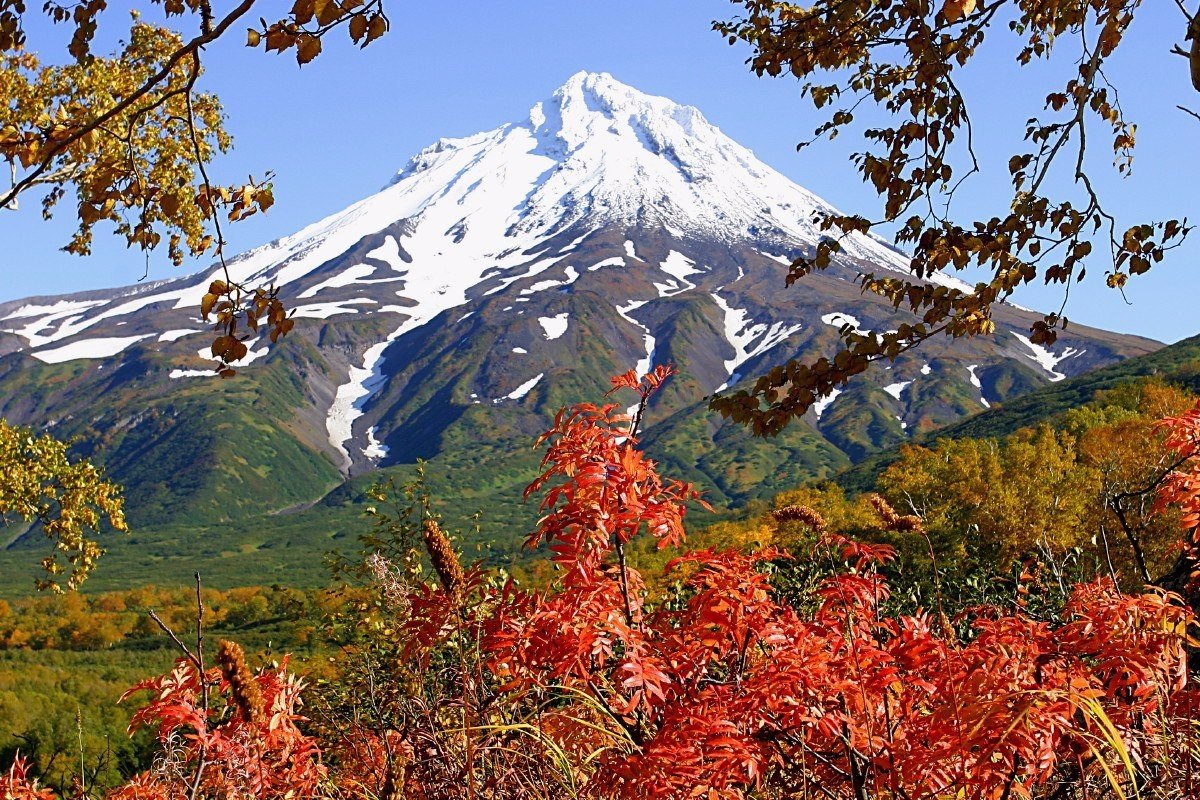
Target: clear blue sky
{"type": "Point", "coordinates": [336, 130]}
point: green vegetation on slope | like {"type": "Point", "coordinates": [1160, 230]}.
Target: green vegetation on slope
{"type": "Point", "coordinates": [1178, 363]}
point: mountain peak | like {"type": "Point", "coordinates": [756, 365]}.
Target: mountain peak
{"type": "Point", "coordinates": [594, 82]}
{"type": "Point", "coordinates": [589, 103]}
{"type": "Point", "coordinates": [601, 93]}
{"type": "Point", "coordinates": [599, 152]}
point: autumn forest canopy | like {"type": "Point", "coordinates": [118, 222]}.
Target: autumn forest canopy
{"type": "Point", "coordinates": [910, 541]}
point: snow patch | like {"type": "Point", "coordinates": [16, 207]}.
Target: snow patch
{"type": "Point", "coordinates": [520, 350]}
{"type": "Point", "coordinates": [327, 310]}
{"type": "Point", "coordinates": [524, 388]}
{"type": "Point", "coordinates": [679, 267]}
{"type": "Point", "coordinates": [615, 261]}
{"type": "Point", "coordinates": [532, 270]}
{"type": "Point", "coordinates": [978, 385]}
{"type": "Point", "coordinates": [63, 316]}
{"type": "Point", "coordinates": [179, 333]}
{"type": "Point", "coordinates": [839, 320]}
{"type": "Point", "coordinates": [629, 251]}
{"type": "Point", "coordinates": [541, 286]}
{"type": "Point", "coordinates": [577, 241]}
{"type": "Point", "coordinates": [389, 253]}
{"type": "Point", "coordinates": [825, 402]}
{"type": "Point", "coordinates": [351, 396]}
{"type": "Point", "coordinates": [374, 449]}
{"type": "Point", "coordinates": [787, 262]}
{"type": "Point", "coordinates": [554, 326]}
{"type": "Point", "coordinates": [88, 348]}
{"type": "Point", "coordinates": [1046, 359]}
{"type": "Point", "coordinates": [251, 356]}
{"type": "Point", "coordinates": [645, 364]}
{"type": "Point", "coordinates": [59, 308]}
{"type": "Point", "coordinates": [895, 389]}
{"type": "Point", "coordinates": [351, 276]}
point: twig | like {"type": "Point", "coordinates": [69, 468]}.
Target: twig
{"type": "Point", "coordinates": [197, 658]}
{"type": "Point", "coordinates": [167, 630]}
{"type": "Point", "coordinates": [195, 789]}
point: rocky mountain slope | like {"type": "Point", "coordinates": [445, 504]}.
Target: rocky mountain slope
{"type": "Point", "coordinates": [496, 278]}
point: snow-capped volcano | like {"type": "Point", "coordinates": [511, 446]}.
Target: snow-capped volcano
{"type": "Point", "coordinates": [503, 274]}
{"type": "Point", "coordinates": [598, 153]}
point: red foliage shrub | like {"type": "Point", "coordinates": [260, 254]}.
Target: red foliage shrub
{"type": "Point", "coordinates": [728, 692]}
{"type": "Point", "coordinates": [17, 785]}
{"type": "Point", "coordinates": [226, 746]}
{"type": "Point", "coordinates": [1182, 488]}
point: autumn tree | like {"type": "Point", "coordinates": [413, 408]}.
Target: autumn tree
{"type": "Point", "coordinates": [130, 136]}
{"type": "Point", "coordinates": [905, 59]}
{"type": "Point", "coordinates": [1123, 442]}
{"type": "Point", "coordinates": [70, 500]}
{"type": "Point", "coordinates": [1088, 489]}
{"type": "Point", "coordinates": [992, 502]}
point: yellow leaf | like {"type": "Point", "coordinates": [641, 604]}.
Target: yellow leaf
{"type": "Point", "coordinates": [169, 204]}
{"type": "Point", "coordinates": [954, 10]}
{"type": "Point", "coordinates": [302, 11]}
{"type": "Point", "coordinates": [308, 49]}
{"type": "Point", "coordinates": [327, 12]}
{"type": "Point", "coordinates": [220, 346]}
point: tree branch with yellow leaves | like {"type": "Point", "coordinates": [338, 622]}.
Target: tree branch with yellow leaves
{"type": "Point", "coordinates": [131, 132]}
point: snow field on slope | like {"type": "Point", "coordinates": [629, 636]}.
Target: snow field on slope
{"type": "Point", "coordinates": [89, 348]}
{"type": "Point", "coordinates": [476, 184]}
{"type": "Point", "coordinates": [525, 388]}
{"type": "Point", "coordinates": [825, 402]}
{"type": "Point", "coordinates": [646, 363]}
{"type": "Point", "coordinates": [741, 332]}
{"type": "Point", "coordinates": [978, 385]}
{"type": "Point", "coordinates": [1046, 359]}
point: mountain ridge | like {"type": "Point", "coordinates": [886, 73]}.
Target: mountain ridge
{"type": "Point", "coordinates": [494, 279]}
